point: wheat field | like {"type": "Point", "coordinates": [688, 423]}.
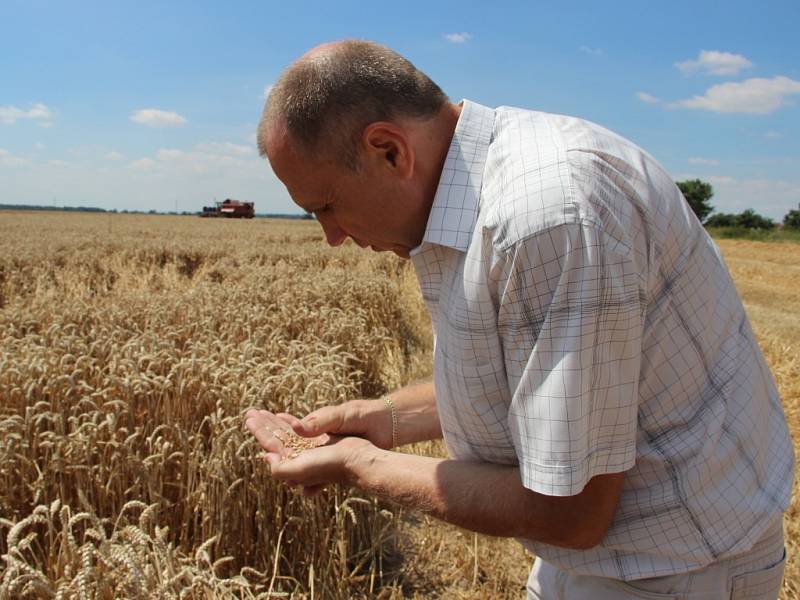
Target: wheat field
{"type": "Point", "coordinates": [131, 345]}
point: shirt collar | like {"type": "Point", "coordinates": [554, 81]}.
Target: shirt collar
{"type": "Point", "coordinates": [456, 203]}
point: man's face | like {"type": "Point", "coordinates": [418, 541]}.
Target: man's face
{"type": "Point", "coordinates": [367, 206]}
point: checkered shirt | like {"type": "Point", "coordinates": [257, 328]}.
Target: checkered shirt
{"type": "Point", "coordinates": [585, 323]}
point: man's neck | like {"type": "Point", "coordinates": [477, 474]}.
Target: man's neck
{"type": "Point", "coordinates": [442, 132]}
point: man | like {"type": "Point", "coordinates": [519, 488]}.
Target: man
{"type": "Point", "coordinates": [597, 384]}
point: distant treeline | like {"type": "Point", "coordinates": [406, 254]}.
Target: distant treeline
{"type": "Point", "coordinates": [698, 195]}
{"type": "Point", "coordinates": [62, 208]}
{"type": "Point", "coordinates": [94, 209]}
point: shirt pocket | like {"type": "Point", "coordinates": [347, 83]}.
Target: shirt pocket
{"type": "Point", "coordinates": [764, 584]}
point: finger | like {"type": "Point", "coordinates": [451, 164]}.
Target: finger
{"type": "Point", "coordinates": [290, 420]}
{"type": "Point", "coordinates": [273, 445]}
{"type": "Point", "coordinates": [273, 459]}
{"type": "Point", "coordinates": [278, 471]}
{"type": "Point", "coordinates": [252, 412]}
{"type": "Point", "coordinates": [269, 431]}
{"type": "Point", "coordinates": [285, 431]}
{"type": "Point", "coordinates": [297, 426]}
{"type": "Point", "coordinates": [253, 419]}
{"type": "Point", "coordinates": [258, 416]}
{"type": "Point", "coordinates": [256, 423]}
{"type": "Point", "coordinates": [259, 424]}
{"type": "Point", "coordinates": [296, 471]}
{"type": "Point", "coordinates": [328, 419]}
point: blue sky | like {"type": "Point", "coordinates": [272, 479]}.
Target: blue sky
{"type": "Point", "coordinates": [153, 105]}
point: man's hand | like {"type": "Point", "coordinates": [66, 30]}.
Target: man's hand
{"type": "Point", "coordinates": [367, 419]}
{"type": "Point", "coordinates": [274, 433]}
{"type": "Point", "coordinates": [311, 462]}
{"type": "Point", "coordinates": [321, 466]}
{"type": "Point", "coordinates": [415, 410]}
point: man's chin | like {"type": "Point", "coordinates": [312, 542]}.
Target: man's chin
{"type": "Point", "coordinates": [401, 252]}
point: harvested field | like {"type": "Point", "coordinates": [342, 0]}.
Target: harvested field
{"type": "Point", "coordinates": [130, 347]}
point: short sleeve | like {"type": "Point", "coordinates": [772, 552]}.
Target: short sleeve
{"type": "Point", "coordinates": [571, 316]}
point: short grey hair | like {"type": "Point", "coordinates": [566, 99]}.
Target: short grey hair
{"type": "Point", "coordinates": [327, 98]}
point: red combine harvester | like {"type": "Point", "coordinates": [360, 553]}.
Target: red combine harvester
{"type": "Point", "coordinates": [231, 209]}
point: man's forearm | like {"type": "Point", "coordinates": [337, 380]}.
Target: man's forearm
{"type": "Point", "coordinates": [486, 498]}
{"type": "Point", "coordinates": [417, 417]}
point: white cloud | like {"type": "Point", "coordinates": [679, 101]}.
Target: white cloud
{"type": "Point", "coordinates": [773, 135]}
{"type": "Point", "coordinates": [769, 197]}
{"type": "Point", "coordinates": [754, 96]}
{"type": "Point", "coordinates": [703, 161]}
{"type": "Point", "coordinates": [458, 38]}
{"type": "Point", "coordinates": [154, 117]}
{"type": "Point", "coordinates": [713, 62]}
{"type": "Point", "coordinates": [58, 163]}
{"type": "Point", "coordinates": [592, 51]}
{"type": "Point", "coordinates": [114, 155]}
{"type": "Point", "coordinates": [206, 158]}
{"type": "Point", "coordinates": [193, 175]}
{"type": "Point", "coordinates": [226, 148]}
{"type": "Point", "coordinates": [720, 180]}
{"type": "Point", "coordinates": [8, 160]}
{"type": "Point", "coordinates": [39, 146]}
{"type": "Point", "coordinates": [143, 164]}
{"type": "Point", "coordinates": [115, 185]}
{"type": "Point", "coordinates": [169, 154]}
{"type": "Point", "coordinates": [647, 98]}
{"type": "Point", "coordinates": [196, 162]}
{"type": "Point", "coordinates": [38, 112]}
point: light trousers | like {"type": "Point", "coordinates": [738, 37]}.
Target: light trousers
{"type": "Point", "coordinates": [755, 575]}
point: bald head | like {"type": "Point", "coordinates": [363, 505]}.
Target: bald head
{"type": "Point", "coordinates": [325, 99]}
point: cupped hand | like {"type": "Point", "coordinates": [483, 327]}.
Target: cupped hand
{"type": "Point", "coordinates": [275, 433]}
{"type": "Point", "coordinates": [324, 460]}
{"type": "Point", "coordinates": [368, 419]}
{"type": "Point", "coordinates": [318, 467]}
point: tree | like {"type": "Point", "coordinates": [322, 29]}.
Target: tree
{"type": "Point", "coordinates": [792, 219]}
{"type": "Point", "coordinates": [722, 220]}
{"type": "Point", "coordinates": [747, 219]}
{"type": "Point", "coordinates": [698, 194]}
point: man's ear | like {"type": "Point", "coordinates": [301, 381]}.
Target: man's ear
{"type": "Point", "coordinates": [388, 146]}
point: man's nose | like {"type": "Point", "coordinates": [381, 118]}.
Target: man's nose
{"type": "Point", "coordinates": [334, 234]}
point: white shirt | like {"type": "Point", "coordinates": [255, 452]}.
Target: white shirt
{"type": "Point", "coordinates": [584, 324]}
